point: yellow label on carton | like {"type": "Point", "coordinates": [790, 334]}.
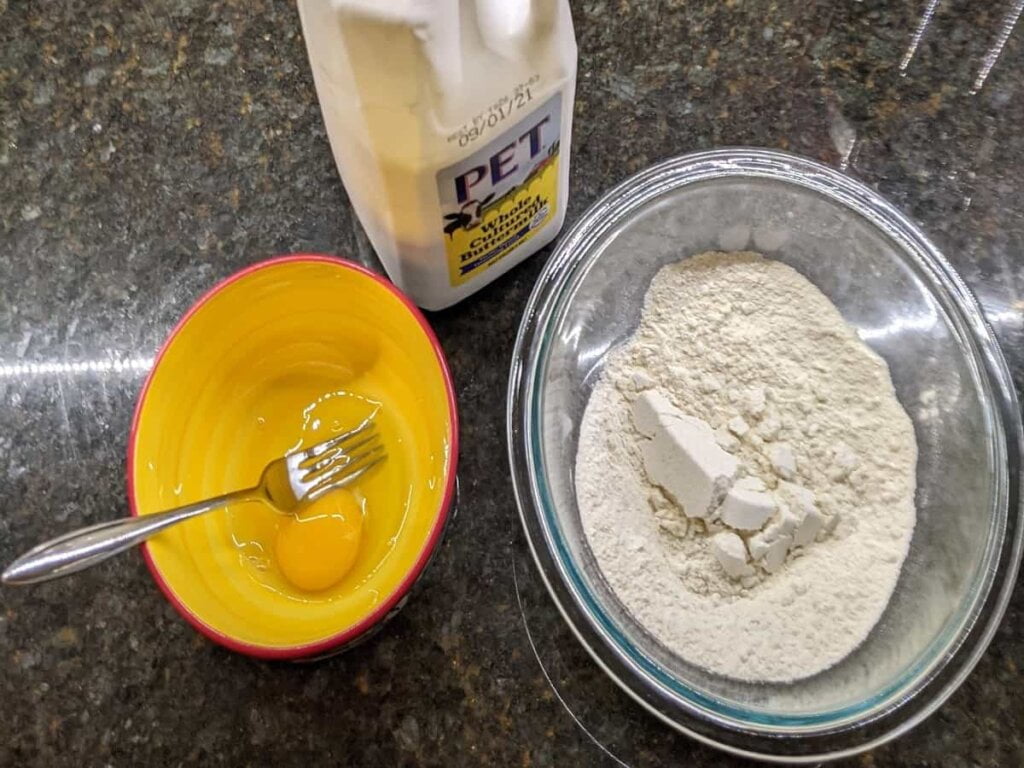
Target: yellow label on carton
{"type": "Point", "coordinates": [499, 197]}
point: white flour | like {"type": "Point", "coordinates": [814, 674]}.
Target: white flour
{"type": "Point", "coordinates": [716, 329]}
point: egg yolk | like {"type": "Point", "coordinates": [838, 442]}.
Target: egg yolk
{"type": "Point", "coordinates": [318, 546]}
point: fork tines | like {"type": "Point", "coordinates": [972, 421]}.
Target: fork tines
{"type": "Point", "coordinates": [342, 459]}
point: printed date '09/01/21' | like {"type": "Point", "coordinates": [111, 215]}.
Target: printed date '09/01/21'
{"type": "Point", "coordinates": [497, 113]}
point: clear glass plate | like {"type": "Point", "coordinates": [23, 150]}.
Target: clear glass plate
{"type": "Point", "coordinates": [906, 302]}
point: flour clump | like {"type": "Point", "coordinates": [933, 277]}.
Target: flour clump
{"type": "Point", "coordinates": [754, 447]}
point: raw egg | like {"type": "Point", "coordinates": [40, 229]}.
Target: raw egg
{"type": "Point", "coordinates": [318, 546]}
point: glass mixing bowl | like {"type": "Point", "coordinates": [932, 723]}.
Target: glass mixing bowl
{"type": "Point", "coordinates": [907, 303]}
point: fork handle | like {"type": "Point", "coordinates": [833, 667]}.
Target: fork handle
{"type": "Point", "coordinates": [85, 547]}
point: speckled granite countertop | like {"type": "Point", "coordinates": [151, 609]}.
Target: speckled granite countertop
{"type": "Point", "coordinates": [148, 150]}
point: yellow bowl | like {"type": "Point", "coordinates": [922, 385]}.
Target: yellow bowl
{"type": "Point", "coordinates": [278, 356]}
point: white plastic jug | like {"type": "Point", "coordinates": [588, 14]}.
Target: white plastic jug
{"type": "Point", "coordinates": [450, 123]}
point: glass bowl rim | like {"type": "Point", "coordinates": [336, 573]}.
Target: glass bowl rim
{"type": "Point", "coordinates": [565, 269]}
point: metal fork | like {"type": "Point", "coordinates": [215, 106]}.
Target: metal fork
{"type": "Point", "coordinates": [284, 485]}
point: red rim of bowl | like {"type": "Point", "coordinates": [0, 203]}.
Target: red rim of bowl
{"type": "Point", "coordinates": [382, 610]}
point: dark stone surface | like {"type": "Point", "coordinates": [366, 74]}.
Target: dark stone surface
{"type": "Point", "coordinates": [148, 149]}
